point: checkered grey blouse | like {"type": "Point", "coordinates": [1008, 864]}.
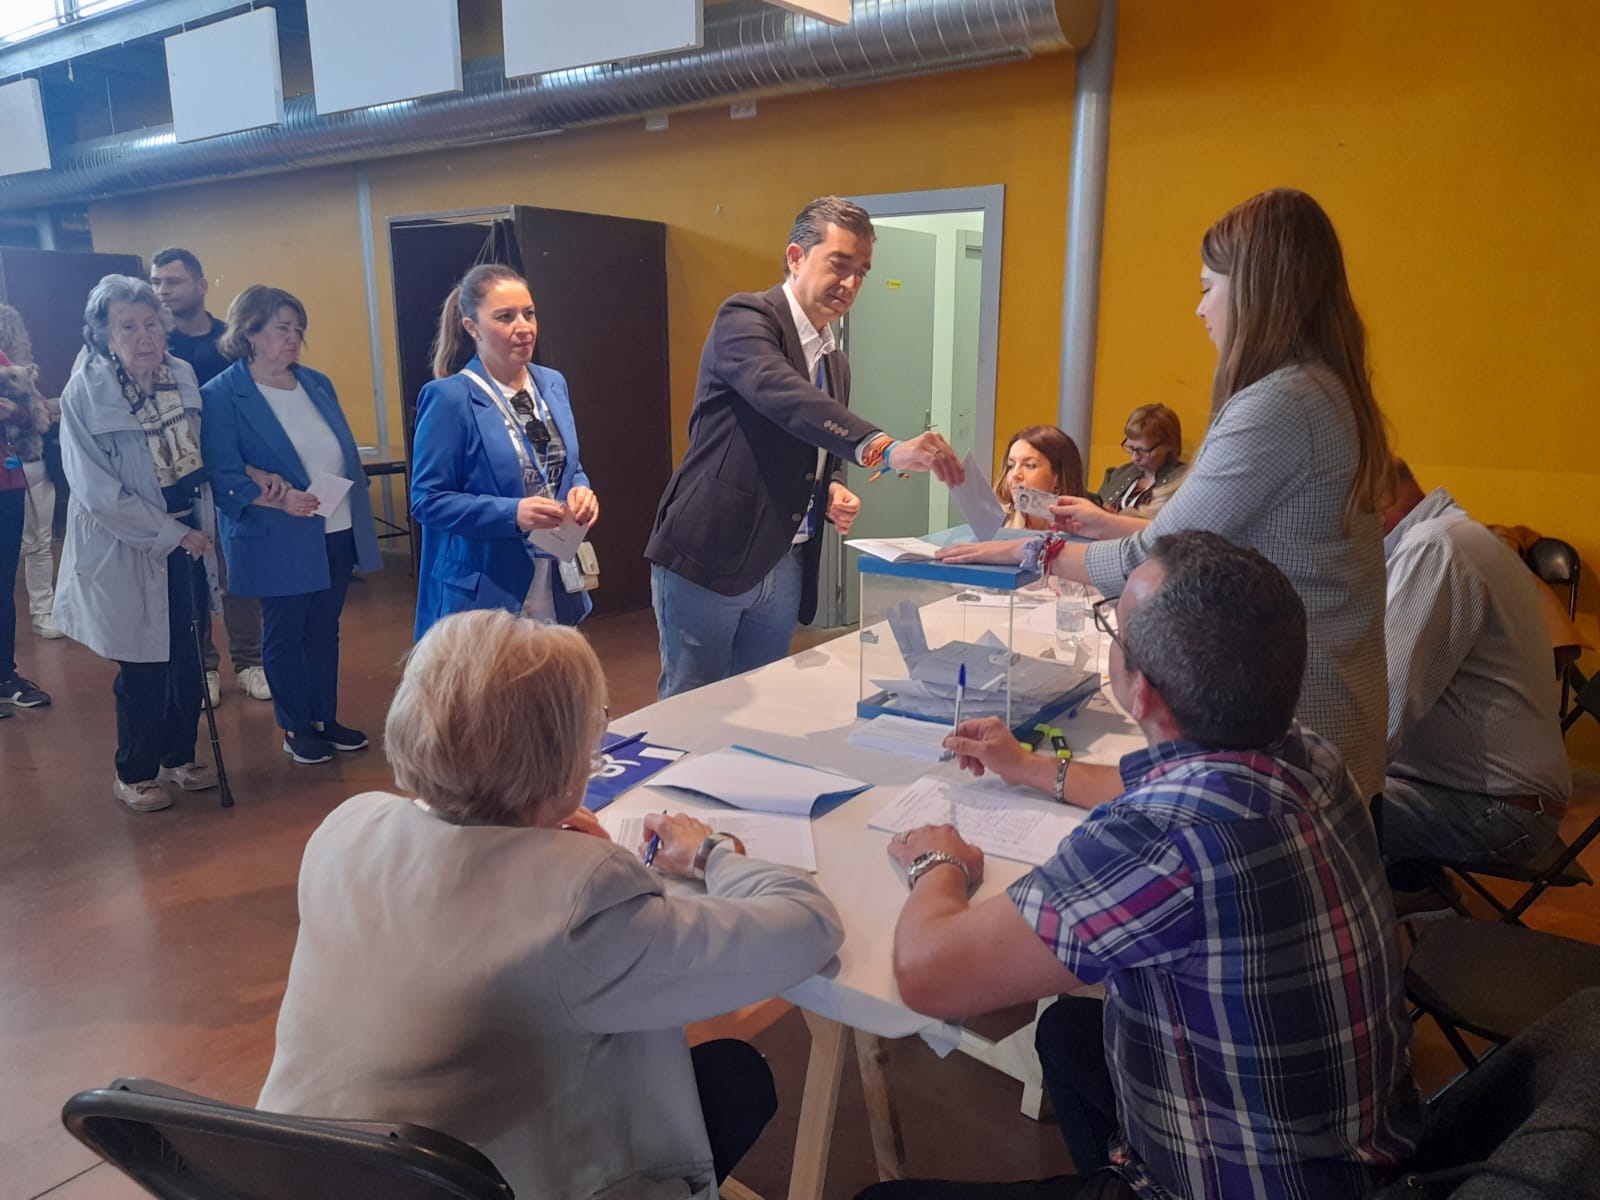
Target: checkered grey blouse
{"type": "Point", "coordinates": [1273, 473]}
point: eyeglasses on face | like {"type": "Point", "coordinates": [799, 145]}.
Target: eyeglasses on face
{"type": "Point", "coordinates": [1140, 451]}
{"type": "Point", "coordinates": [1105, 620]}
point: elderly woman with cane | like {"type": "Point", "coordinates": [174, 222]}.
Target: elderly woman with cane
{"type": "Point", "coordinates": [139, 531]}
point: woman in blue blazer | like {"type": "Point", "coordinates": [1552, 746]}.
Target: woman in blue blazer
{"type": "Point", "coordinates": [268, 429]}
{"type": "Point", "coordinates": [495, 457]}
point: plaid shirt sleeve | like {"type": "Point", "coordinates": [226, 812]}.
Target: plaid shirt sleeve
{"type": "Point", "coordinates": [1118, 894]}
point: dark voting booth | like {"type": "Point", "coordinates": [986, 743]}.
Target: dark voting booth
{"type": "Point", "coordinates": [600, 286]}
{"type": "Point", "coordinates": [49, 288]}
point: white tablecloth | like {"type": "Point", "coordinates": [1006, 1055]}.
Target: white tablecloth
{"type": "Point", "coordinates": [803, 709]}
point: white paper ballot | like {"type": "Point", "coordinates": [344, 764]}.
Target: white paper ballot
{"type": "Point", "coordinates": [747, 779]}
{"type": "Point", "coordinates": [329, 490]}
{"type": "Point", "coordinates": [902, 735]}
{"type": "Point", "coordinates": [786, 841]}
{"type": "Point", "coordinates": [901, 549]}
{"type": "Point", "coordinates": [562, 541]}
{"type": "Point", "coordinates": [1002, 821]}
{"type": "Point", "coordinates": [976, 499]}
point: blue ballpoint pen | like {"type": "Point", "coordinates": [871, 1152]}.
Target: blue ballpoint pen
{"type": "Point", "coordinates": [652, 846]}
{"type": "Point", "coordinates": [961, 694]}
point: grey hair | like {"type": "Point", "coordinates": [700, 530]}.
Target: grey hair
{"type": "Point", "coordinates": [1222, 639]}
{"type": "Point", "coordinates": [812, 221]}
{"type": "Point", "coordinates": [116, 289]}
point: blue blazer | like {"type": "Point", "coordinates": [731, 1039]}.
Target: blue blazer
{"type": "Point", "coordinates": [466, 483]}
{"type": "Point", "coordinates": [269, 552]}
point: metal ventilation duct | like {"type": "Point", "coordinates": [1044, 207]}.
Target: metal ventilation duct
{"type": "Point", "coordinates": [751, 49]}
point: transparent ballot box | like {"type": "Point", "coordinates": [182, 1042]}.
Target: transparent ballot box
{"type": "Point", "coordinates": [1031, 653]}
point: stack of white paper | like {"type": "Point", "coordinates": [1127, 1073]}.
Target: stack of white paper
{"type": "Point", "coordinates": [902, 735]}
{"type": "Point", "coordinates": [901, 549]}
{"type": "Point", "coordinates": [1005, 822]}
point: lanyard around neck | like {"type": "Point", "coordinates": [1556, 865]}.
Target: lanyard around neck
{"type": "Point", "coordinates": [532, 465]}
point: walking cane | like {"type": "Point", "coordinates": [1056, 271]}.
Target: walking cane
{"type": "Point", "coordinates": [199, 601]}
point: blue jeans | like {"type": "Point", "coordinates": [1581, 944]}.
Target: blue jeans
{"type": "Point", "coordinates": [706, 636]}
{"type": "Point", "coordinates": [300, 643]}
{"type": "Point", "coordinates": [1425, 820]}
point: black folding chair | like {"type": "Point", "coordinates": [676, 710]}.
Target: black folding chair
{"type": "Point", "coordinates": [1557, 867]}
{"type": "Point", "coordinates": [181, 1146]}
{"type": "Point", "coordinates": [1493, 980]}
{"type": "Point", "coordinates": [1557, 563]}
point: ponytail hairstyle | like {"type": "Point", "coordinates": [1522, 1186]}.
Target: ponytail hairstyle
{"type": "Point", "coordinates": [1289, 302]}
{"type": "Point", "coordinates": [450, 349]}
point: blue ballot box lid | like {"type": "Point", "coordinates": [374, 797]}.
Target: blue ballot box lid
{"type": "Point", "coordinates": [1002, 578]}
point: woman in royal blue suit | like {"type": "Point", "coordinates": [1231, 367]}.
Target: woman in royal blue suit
{"type": "Point", "coordinates": [494, 457]}
{"type": "Point", "coordinates": [268, 428]}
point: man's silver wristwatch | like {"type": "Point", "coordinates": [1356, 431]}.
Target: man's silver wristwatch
{"type": "Point", "coordinates": [927, 860]}
{"type": "Point", "coordinates": [703, 855]}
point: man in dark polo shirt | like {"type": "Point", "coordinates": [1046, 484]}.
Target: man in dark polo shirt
{"type": "Point", "coordinates": [181, 285]}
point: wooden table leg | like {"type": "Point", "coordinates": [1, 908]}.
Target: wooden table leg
{"type": "Point", "coordinates": [817, 1106]}
{"type": "Point", "coordinates": [888, 1147]}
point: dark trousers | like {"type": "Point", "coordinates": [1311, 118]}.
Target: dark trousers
{"type": "Point", "coordinates": [300, 643]}
{"type": "Point", "coordinates": [737, 1098]}
{"type": "Point", "coordinates": [158, 704]}
{"type": "Point", "coordinates": [1070, 1039]}
{"type": "Point", "coordinates": [12, 506]}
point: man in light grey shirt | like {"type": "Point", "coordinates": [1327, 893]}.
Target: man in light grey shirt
{"type": "Point", "coordinates": [1477, 769]}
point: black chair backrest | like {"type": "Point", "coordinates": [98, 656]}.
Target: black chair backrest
{"type": "Point", "coordinates": [1556, 562]}
{"type": "Point", "coordinates": [1525, 1124]}
{"type": "Point", "coordinates": [186, 1147]}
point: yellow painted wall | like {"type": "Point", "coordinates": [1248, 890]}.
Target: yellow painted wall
{"type": "Point", "coordinates": [726, 190]}
{"type": "Point", "coordinates": [1456, 144]}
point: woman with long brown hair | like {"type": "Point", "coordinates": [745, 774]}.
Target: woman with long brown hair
{"type": "Point", "coordinates": [495, 458]}
{"type": "Point", "coordinates": [1296, 463]}
{"type": "Point", "coordinates": [1041, 457]}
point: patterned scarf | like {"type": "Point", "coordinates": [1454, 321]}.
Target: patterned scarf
{"type": "Point", "coordinates": [166, 424]}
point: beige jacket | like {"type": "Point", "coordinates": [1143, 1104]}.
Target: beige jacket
{"type": "Point", "coordinates": [526, 991]}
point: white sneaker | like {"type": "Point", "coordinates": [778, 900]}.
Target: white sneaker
{"type": "Point", "coordinates": [191, 777]}
{"type": "Point", "coordinates": [142, 797]}
{"type": "Point", "coordinates": [214, 687]}
{"type": "Point", "coordinates": [253, 683]}
{"type": "Point", "coordinates": [46, 628]}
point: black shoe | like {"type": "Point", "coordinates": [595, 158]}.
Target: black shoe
{"type": "Point", "coordinates": [306, 748]}
{"type": "Point", "coordinates": [340, 737]}
{"type": "Point", "coordinates": [22, 692]}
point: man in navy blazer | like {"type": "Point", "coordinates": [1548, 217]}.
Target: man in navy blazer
{"type": "Point", "coordinates": [738, 534]}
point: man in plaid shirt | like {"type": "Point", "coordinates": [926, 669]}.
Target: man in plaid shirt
{"type": "Point", "coordinates": [1231, 900]}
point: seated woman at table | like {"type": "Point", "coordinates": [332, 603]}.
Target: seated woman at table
{"type": "Point", "coordinates": [1040, 457]}
{"type": "Point", "coordinates": [1295, 464]}
{"type": "Point", "coordinates": [1153, 438]}
{"type": "Point", "coordinates": [271, 427]}
{"type": "Point", "coordinates": [496, 457]}
{"type": "Point", "coordinates": [477, 956]}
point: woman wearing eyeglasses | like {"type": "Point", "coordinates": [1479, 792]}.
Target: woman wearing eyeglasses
{"type": "Point", "coordinates": [1153, 439]}
{"type": "Point", "coordinates": [270, 429]}
{"type": "Point", "coordinates": [494, 458]}
{"type": "Point", "coordinates": [1296, 462]}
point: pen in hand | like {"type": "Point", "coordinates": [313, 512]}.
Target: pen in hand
{"type": "Point", "coordinates": [652, 846]}
{"type": "Point", "coordinates": [961, 694]}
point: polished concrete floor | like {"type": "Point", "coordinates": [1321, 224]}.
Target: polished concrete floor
{"type": "Point", "coordinates": [158, 944]}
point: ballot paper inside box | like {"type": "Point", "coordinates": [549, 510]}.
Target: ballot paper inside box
{"type": "Point", "coordinates": [922, 623]}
